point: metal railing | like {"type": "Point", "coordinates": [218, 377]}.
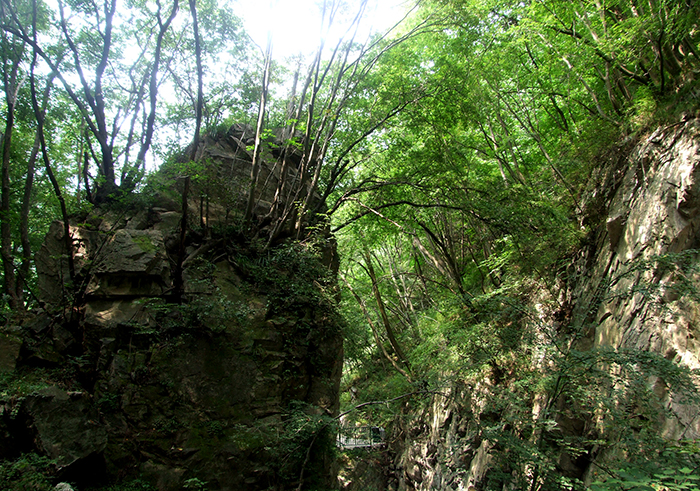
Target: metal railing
{"type": "Point", "coordinates": [360, 437]}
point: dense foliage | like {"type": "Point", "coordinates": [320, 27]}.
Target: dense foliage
{"type": "Point", "coordinates": [458, 229]}
{"type": "Point", "coordinates": [448, 155]}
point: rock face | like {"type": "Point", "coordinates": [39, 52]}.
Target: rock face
{"type": "Point", "coordinates": [648, 201]}
{"type": "Point", "coordinates": [631, 287]}
{"type": "Point", "coordinates": [231, 382]}
{"type": "Point", "coordinates": [67, 425]}
{"type": "Point", "coordinates": [221, 178]}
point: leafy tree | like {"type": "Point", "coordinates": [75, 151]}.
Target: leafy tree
{"type": "Point", "coordinates": [83, 86]}
{"type": "Point", "coordinates": [14, 53]}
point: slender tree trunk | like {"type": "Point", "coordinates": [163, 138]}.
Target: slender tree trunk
{"type": "Point", "coordinates": [79, 160]}
{"type": "Point", "coordinates": [12, 86]}
{"type": "Point", "coordinates": [152, 95]}
{"type": "Point", "coordinates": [105, 191]}
{"type": "Point", "coordinates": [94, 96]}
{"type": "Point", "coordinates": [24, 220]}
{"type": "Point", "coordinates": [25, 267]}
{"type": "Point", "coordinates": [9, 286]}
{"type": "Point", "coordinates": [382, 309]}
{"type": "Point", "coordinates": [375, 332]}
{"type": "Point", "coordinates": [39, 114]}
{"type": "Point", "coordinates": [200, 79]}
{"type": "Point", "coordinates": [287, 137]}
{"type": "Point", "coordinates": [57, 189]}
{"type": "Point", "coordinates": [282, 200]}
{"type": "Point", "coordinates": [452, 272]}
{"type": "Point", "coordinates": [255, 168]}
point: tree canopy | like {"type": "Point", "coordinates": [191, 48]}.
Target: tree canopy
{"type": "Point", "coordinates": [448, 155]}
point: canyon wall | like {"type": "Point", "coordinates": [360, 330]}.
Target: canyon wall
{"type": "Point", "coordinates": [631, 288]}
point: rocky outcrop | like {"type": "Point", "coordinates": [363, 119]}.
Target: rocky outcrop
{"type": "Point", "coordinates": [220, 179]}
{"type": "Point", "coordinates": [209, 382]}
{"type": "Point", "coordinates": [66, 424]}
{"type": "Point", "coordinates": [634, 285]}
{"type": "Point", "coordinates": [364, 470]}
{"type": "Point", "coordinates": [442, 447]}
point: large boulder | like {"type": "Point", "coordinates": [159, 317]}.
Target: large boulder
{"type": "Point", "coordinates": [232, 380]}
{"type": "Point", "coordinates": [66, 425]}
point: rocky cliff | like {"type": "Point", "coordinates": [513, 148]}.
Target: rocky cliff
{"type": "Point", "coordinates": [629, 292]}
{"type": "Point", "coordinates": [633, 286]}
{"type": "Point", "coordinates": [225, 384]}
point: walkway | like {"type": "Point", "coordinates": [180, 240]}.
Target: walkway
{"type": "Point", "coordinates": [360, 437]}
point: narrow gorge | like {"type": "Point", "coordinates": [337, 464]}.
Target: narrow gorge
{"type": "Point", "coordinates": [628, 292]}
{"type": "Point", "coordinates": [357, 245]}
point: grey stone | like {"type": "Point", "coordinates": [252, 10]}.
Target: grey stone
{"type": "Point", "coordinates": [132, 262]}
{"type": "Point", "coordinates": [615, 226]}
{"type": "Point", "coordinates": [660, 217]}
{"type": "Point", "coordinates": [9, 351]}
{"type": "Point", "coordinates": [168, 222]}
{"type": "Point", "coordinates": [51, 263]}
{"type": "Point", "coordinates": [66, 424]}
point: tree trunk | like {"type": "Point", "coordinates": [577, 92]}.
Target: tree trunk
{"type": "Point", "coordinates": [382, 309]}
{"type": "Point", "coordinates": [153, 95]}
{"type": "Point", "coordinates": [375, 333]}
{"type": "Point", "coordinates": [9, 286]}
{"type": "Point", "coordinates": [25, 267]}
{"type": "Point", "coordinates": [39, 115]}
{"type": "Point", "coordinates": [255, 168]}
{"type": "Point", "coordinates": [12, 86]}
{"type": "Point", "coordinates": [200, 79]}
